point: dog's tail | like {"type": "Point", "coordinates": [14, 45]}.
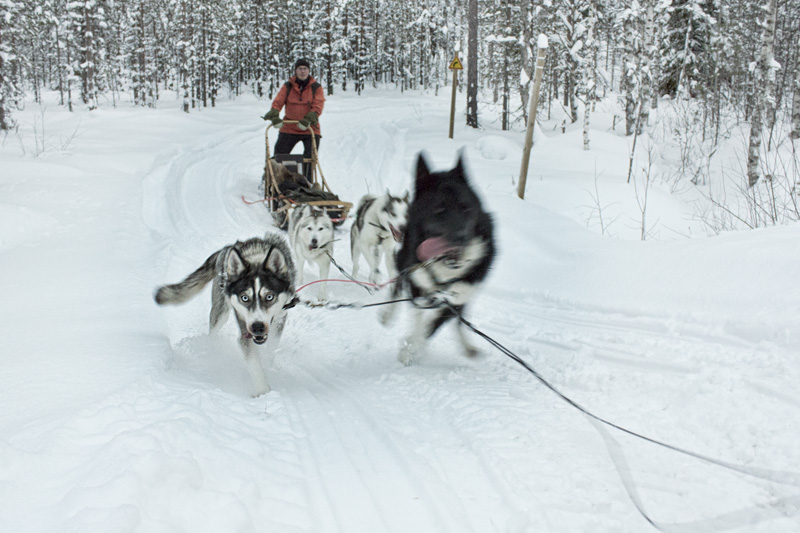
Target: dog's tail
{"type": "Point", "coordinates": [188, 288]}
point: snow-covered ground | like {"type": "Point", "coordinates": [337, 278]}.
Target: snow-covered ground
{"type": "Point", "coordinates": [118, 415]}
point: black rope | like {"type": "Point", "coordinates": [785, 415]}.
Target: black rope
{"type": "Point", "coordinates": [776, 476]}
{"type": "Point", "coordinates": [348, 276]}
{"type": "Point", "coordinates": [785, 478]}
{"type": "Point", "coordinates": [342, 305]}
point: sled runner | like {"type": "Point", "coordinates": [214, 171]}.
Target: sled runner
{"type": "Point", "coordinates": [285, 188]}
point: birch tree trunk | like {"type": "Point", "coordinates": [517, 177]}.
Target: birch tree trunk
{"type": "Point", "coordinates": [6, 87]}
{"type": "Point", "coordinates": [588, 75]}
{"type": "Point", "coordinates": [630, 82]}
{"type": "Point", "coordinates": [648, 58]}
{"type": "Point", "coordinates": [682, 75]}
{"type": "Point", "coordinates": [761, 91]}
{"type": "Point", "coordinates": [795, 133]}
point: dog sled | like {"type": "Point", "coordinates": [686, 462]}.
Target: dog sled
{"type": "Point", "coordinates": [290, 180]}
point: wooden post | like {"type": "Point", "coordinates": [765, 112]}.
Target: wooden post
{"type": "Point", "coordinates": [453, 103]}
{"type": "Point", "coordinates": [455, 66]}
{"type": "Point", "coordinates": [526, 151]}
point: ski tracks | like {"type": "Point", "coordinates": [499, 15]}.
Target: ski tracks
{"type": "Point", "coordinates": [159, 456]}
{"type": "Point", "coordinates": [450, 445]}
{"type": "Point", "coordinates": [446, 445]}
{"type": "Point", "coordinates": [385, 461]}
{"type": "Point", "coordinates": [196, 194]}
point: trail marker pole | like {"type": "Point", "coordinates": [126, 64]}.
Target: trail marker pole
{"type": "Point", "coordinates": [537, 83]}
{"type": "Point", "coordinates": [455, 66]}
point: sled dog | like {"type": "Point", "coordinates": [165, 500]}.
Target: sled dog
{"type": "Point", "coordinates": [311, 237]}
{"type": "Point", "coordinates": [447, 250]}
{"type": "Point", "coordinates": [256, 278]}
{"type": "Point", "coordinates": [380, 223]}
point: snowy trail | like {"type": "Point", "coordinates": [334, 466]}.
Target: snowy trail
{"type": "Point", "coordinates": [356, 433]}
{"type": "Point", "coordinates": [194, 194]}
{"type": "Point", "coordinates": [350, 440]}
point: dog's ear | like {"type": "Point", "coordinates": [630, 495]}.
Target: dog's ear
{"type": "Point", "coordinates": [424, 178]}
{"type": "Point", "coordinates": [276, 262]}
{"type": "Point", "coordinates": [459, 170]}
{"type": "Point", "coordinates": [234, 264]}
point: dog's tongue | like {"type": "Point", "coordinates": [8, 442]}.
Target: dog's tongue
{"type": "Point", "coordinates": [397, 235]}
{"type": "Point", "coordinates": [433, 247]}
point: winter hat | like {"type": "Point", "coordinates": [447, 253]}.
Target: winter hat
{"type": "Point", "coordinates": [302, 62]}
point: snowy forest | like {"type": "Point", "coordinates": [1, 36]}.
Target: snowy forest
{"type": "Point", "coordinates": [719, 63]}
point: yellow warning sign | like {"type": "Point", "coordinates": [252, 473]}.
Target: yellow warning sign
{"type": "Point", "coordinates": [456, 64]}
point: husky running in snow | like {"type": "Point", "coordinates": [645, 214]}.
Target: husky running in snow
{"type": "Point", "coordinates": [380, 223]}
{"type": "Point", "coordinates": [257, 279]}
{"type": "Point", "coordinates": [311, 237]}
{"type": "Point", "coordinates": [446, 253]}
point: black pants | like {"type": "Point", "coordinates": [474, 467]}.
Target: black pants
{"type": "Point", "coordinates": [287, 141]}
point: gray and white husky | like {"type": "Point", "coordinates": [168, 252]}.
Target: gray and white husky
{"type": "Point", "coordinates": [257, 279]}
{"type": "Point", "coordinates": [311, 237]}
{"type": "Point", "coordinates": [380, 224]}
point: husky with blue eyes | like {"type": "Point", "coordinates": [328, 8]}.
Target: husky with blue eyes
{"type": "Point", "coordinates": [256, 278]}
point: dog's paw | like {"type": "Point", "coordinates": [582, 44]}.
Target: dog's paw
{"type": "Point", "coordinates": [261, 386]}
{"type": "Point", "coordinates": [386, 315]}
{"type": "Point", "coordinates": [261, 391]}
{"type": "Point", "coordinates": [405, 357]}
{"type": "Point", "coordinates": [409, 353]}
{"type": "Point", "coordinates": [471, 351]}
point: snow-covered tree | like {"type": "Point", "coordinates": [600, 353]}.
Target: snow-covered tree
{"type": "Point", "coordinates": [569, 36]}
{"type": "Point", "coordinates": [588, 62]}
{"type": "Point", "coordinates": [630, 22]}
{"type": "Point", "coordinates": [690, 30]}
{"type": "Point", "coordinates": [91, 25]}
{"type": "Point", "coordinates": [763, 76]}
{"type": "Point", "coordinates": [11, 19]}
{"type": "Point", "coordinates": [795, 132]}
{"type": "Point", "coordinates": [472, 63]}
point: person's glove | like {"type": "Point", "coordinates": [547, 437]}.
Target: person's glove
{"type": "Point", "coordinates": [274, 116]}
{"type": "Point", "coordinates": [310, 119]}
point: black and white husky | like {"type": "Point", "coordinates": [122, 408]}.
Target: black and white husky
{"type": "Point", "coordinates": [446, 254]}
{"type": "Point", "coordinates": [257, 279]}
{"type": "Point", "coordinates": [380, 223]}
{"type": "Point", "coordinates": [311, 237]}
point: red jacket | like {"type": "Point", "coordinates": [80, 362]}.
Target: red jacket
{"type": "Point", "coordinates": [299, 103]}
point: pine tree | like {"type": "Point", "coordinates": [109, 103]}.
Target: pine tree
{"type": "Point", "coordinates": [90, 24]}
{"type": "Point", "coordinates": [690, 33]}
{"type": "Point", "coordinates": [141, 52]}
{"type": "Point", "coordinates": [588, 62]}
{"type": "Point", "coordinates": [185, 51]}
{"type": "Point", "coordinates": [567, 46]}
{"type": "Point", "coordinates": [472, 63]}
{"type": "Point", "coordinates": [11, 19]}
